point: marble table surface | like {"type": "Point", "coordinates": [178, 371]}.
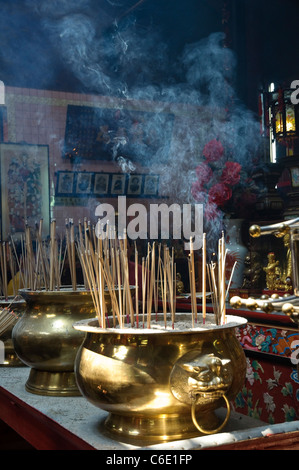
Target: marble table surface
{"type": "Point", "coordinates": [85, 420]}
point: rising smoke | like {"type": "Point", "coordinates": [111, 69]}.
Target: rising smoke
{"type": "Point", "coordinates": [125, 62]}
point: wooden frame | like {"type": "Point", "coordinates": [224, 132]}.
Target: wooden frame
{"type": "Point", "coordinates": [295, 177]}
{"type": "Point", "coordinates": [65, 182]}
{"type": "Point", "coordinates": [134, 185]}
{"type": "Point", "coordinates": [25, 189]}
{"type": "Point", "coordinates": [151, 185]}
{"type": "Point", "coordinates": [101, 183]}
{"type": "Point", "coordinates": [96, 133]}
{"type": "Point", "coordinates": [78, 186]}
{"type": "Point", "coordinates": [118, 184]}
{"type": "Point", "coordinates": [84, 183]}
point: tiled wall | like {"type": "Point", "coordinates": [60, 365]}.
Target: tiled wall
{"type": "Point", "coordinates": [39, 117]}
{"type": "Point", "coordinates": [35, 116]}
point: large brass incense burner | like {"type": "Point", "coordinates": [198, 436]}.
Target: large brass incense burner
{"type": "Point", "coordinates": [45, 340]}
{"type": "Point", "coordinates": [161, 384]}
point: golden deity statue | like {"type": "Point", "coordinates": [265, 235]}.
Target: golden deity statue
{"type": "Point", "coordinates": [179, 284]}
{"type": "Point", "coordinates": [280, 277]}
{"type": "Point", "coordinates": [272, 272]}
{"type": "Point", "coordinates": [286, 275]}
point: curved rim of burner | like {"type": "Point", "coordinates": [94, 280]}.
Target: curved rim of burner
{"type": "Point", "coordinates": [91, 325]}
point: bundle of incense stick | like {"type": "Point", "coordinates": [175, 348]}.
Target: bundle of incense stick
{"type": "Point", "coordinates": [7, 319]}
{"type": "Point", "coordinates": [105, 268]}
{"type": "Point", "coordinates": [216, 272]}
{"type": "Point", "coordinates": [8, 261]}
{"type": "Point", "coordinates": [40, 259]}
{"type": "Point", "coordinates": [71, 250]}
{"type": "Point", "coordinates": [105, 265]}
{"type": "Point", "coordinates": [41, 262]}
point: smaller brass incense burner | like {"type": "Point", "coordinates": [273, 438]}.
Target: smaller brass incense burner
{"type": "Point", "coordinates": [160, 384]}
{"type": "Point", "coordinates": [45, 340]}
{"type": "Point", "coordinates": [17, 304]}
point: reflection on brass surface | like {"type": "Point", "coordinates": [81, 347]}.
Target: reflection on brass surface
{"type": "Point", "coordinates": [291, 311]}
{"type": "Point", "coordinates": [149, 381]}
{"type": "Point", "coordinates": [17, 305]}
{"type": "Point", "coordinates": [45, 340]}
{"type": "Point", "coordinates": [252, 304]}
{"type": "Point", "coordinates": [264, 303]}
{"type": "Point", "coordinates": [285, 304]}
{"type": "Point", "coordinates": [279, 229]}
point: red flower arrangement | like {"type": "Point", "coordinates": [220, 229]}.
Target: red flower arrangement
{"type": "Point", "coordinates": [220, 182]}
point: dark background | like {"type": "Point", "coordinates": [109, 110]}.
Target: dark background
{"type": "Point", "coordinates": [262, 33]}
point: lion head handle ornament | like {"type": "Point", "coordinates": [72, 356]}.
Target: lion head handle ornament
{"type": "Point", "coordinates": [201, 379]}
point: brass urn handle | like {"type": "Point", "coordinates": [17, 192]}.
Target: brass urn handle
{"type": "Point", "coordinates": [200, 380]}
{"type": "Point", "coordinates": [200, 428]}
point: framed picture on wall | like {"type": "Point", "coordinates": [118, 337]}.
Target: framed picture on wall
{"type": "Point", "coordinates": [134, 185]}
{"type": "Point", "coordinates": [151, 185]}
{"type": "Point", "coordinates": [83, 183]}
{"type": "Point", "coordinates": [295, 177]}
{"type": "Point", "coordinates": [101, 183]}
{"type": "Point", "coordinates": [107, 133]}
{"type": "Point", "coordinates": [65, 183]}
{"type": "Point", "coordinates": [24, 187]}
{"type": "Point", "coordinates": [118, 184]}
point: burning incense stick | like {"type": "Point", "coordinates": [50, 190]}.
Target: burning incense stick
{"type": "Point", "coordinates": [70, 244]}
{"type": "Point", "coordinates": [3, 270]}
{"type": "Point", "coordinates": [73, 255]}
{"type": "Point", "coordinates": [192, 283]}
{"type": "Point", "coordinates": [12, 269]}
{"type": "Point", "coordinates": [18, 261]}
{"type": "Point", "coordinates": [143, 289]}
{"type": "Point", "coordinates": [136, 287]}
{"type": "Point", "coordinates": [156, 286]}
{"type": "Point", "coordinates": [204, 285]}
{"type": "Point", "coordinates": [168, 266]}
{"type": "Point", "coordinates": [231, 278]}
{"type": "Point", "coordinates": [221, 277]}
{"type": "Point", "coordinates": [151, 284]}
{"type": "Point", "coordinates": [52, 254]}
{"type": "Point", "coordinates": [119, 289]}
